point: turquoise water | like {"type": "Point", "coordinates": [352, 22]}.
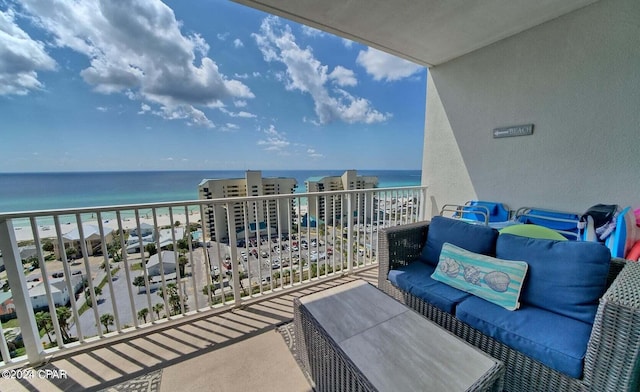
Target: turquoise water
{"type": "Point", "coordinates": [43, 191]}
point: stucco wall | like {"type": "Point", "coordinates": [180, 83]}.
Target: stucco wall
{"type": "Point", "coordinates": [577, 79]}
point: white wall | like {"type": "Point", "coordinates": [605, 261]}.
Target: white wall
{"type": "Point", "coordinates": [577, 79]}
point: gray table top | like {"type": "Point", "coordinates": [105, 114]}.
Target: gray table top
{"type": "Point", "coordinates": [395, 348]}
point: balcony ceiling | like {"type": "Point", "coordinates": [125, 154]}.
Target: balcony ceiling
{"type": "Point", "coordinates": [428, 32]}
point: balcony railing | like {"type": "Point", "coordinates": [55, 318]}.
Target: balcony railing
{"type": "Point", "coordinates": [74, 276]}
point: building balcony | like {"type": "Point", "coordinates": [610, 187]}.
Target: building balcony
{"type": "Point", "coordinates": [219, 306]}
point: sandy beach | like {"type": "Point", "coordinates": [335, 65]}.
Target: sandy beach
{"type": "Point", "coordinates": [49, 231]}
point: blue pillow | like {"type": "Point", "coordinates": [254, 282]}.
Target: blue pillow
{"type": "Point", "coordinates": [495, 280]}
{"type": "Point", "coordinates": [474, 238]}
{"type": "Point", "coordinates": [565, 277]}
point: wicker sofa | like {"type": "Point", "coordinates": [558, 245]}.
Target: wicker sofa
{"type": "Point", "coordinates": [612, 359]}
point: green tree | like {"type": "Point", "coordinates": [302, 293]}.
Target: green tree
{"type": "Point", "coordinates": [33, 260]}
{"type": "Point", "coordinates": [157, 308]}
{"type": "Point", "coordinates": [71, 253]}
{"type": "Point", "coordinates": [138, 281]}
{"type": "Point", "coordinates": [143, 313]}
{"type": "Point", "coordinates": [151, 249]}
{"type": "Point", "coordinates": [114, 248]}
{"type": "Point", "coordinates": [182, 262]}
{"type": "Point", "coordinates": [63, 313]}
{"type": "Point", "coordinates": [87, 293]}
{"type": "Point", "coordinates": [43, 320]}
{"type": "Point", "coordinates": [48, 246]}
{"type": "Point", "coordinates": [106, 320]}
{"type": "Point", "coordinates": [174, 299]}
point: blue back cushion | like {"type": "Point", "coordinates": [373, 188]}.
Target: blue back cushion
{"type": "Point", "coordinates": [565, 277]}
{"type": "Point", "coordinates": [474, 238]}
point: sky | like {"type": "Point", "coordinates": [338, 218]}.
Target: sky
{"type": "Point", "coordinates": [89, 85]}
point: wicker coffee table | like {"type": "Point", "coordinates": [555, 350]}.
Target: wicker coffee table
{"type": "Point", "coordinates": [353, 337]}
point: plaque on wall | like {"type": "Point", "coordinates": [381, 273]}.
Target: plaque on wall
{"type": "Point", "coordinates": [516, 130]}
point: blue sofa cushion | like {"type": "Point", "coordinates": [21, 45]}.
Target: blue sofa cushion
{"type": "Point", "coordinates": [474, 238]}
{"type": "Point", "coordinates": [497, 281]}
{"type": "Point", "coordinates": [557, 341]}
{"type": "Point", "coordinates": [416, 280]}
{"type": "Point", "coordinates": [565, 277]}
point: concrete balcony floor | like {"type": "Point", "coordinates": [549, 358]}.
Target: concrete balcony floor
{"type": "Point", "coordinates": [232, 350]}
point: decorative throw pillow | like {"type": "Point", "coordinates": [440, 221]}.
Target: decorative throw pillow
{"type": "Point", "coordinates": [495, 280]}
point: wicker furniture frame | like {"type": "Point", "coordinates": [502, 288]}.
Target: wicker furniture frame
{"type": "Point", "coordinates": [612, 361]}
{"type": "Point", "coordinates": [355, 338]}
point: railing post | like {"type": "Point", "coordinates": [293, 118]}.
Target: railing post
{"type": "Point", "coordinates": [20, 292]}
{"type": "Point", "coordinates": [349, 233]}
{"type": "Point", "coordinates": [233, 247]}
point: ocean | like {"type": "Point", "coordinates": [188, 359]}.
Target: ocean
{"type": "Point", "coordinates": [43, 191]}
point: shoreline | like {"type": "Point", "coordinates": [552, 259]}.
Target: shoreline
{"type": "Point", "coordinates": [25, 233]}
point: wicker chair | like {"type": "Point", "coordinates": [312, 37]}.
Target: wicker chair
{"type": "Point", "coordinates": [612, 362]}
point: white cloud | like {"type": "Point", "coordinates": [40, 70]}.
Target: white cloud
{"type": "Point", "coordinates": [347, 43]}
{"type": "Point", "coordinates": [20, 58]}
{"type": "Point", "coordinates": [137, 48]}
{"type": "Point", "coordinates": [307, 74]}
{"type": "Point", "coordinates": [232, 126]}
{"type": "Point", "coordinates": [275, 141]}
{"type": "Point", "coordinates": [383, 66]}
{"type": "Point", "coordinates": [241, 114]}
{"type": "Point", "coordinates": [144, 108]}
{"type": "Point", "coordinates": [101, 109]}
{"type": "Point", "coordinates": [240, 103]}
{"type": "Point", "coordinates": [343, 76]}
{"type": "Point", "coordinates": [237, 43]}
{"type": "Point", "coordinates": [241, 76]}
{"type": "Point", "coordinates": [223, 36]}
{"type": "Point", "coordinates": [313, 154]}
{"type": "Point", "coordinates": [312, 32]}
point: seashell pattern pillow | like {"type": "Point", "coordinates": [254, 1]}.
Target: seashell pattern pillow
{"type": "Point", "coordinates": [495, 280]}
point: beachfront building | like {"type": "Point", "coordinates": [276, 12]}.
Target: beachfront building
{"type": "Point", "coordinates": [92, 239]}
{"type": "Point", "coordinates": [262, 214]}
{"type": "Point", "coordinates": [331, 209]}
{"type": "Point", "coordinates": [162, 263]}
{"type": "Point", "coordinates": [137, 241]}
{"type": "Point", "coordinates": [59, 288]}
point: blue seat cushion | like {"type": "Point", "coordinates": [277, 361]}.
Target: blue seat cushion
{"type": "Point", "coordinates": [416, 279]}
{"type": "Point", "coordinates": [474, 238]}
{"type": "Point", "coordinates": [557, 341]}
{"type": "Point", "coordinates": [565, 277]}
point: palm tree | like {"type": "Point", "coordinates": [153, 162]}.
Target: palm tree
{"type": "Point", "coordinates": [157, 308]}
{"type": "Point", "coordinates": [138, 281]}
{"type": "Point", "coordinates": [43, 320]}
{"type": "Point", "coordinates": [106, 320]}
{"type": "Point", "coordinates": [143, 313]}
{"type": "Point", "coordinates": [63, 313]}
{"type": "Point", "coordinates": [97, 292]}
{"type": "Point", "coordinates": [174, 299]}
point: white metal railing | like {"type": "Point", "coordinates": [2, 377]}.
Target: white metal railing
{"type": "Point", "coordinates": [104, 271]}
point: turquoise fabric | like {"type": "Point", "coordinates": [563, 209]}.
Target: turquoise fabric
{"type": "Point", "coordinates": [565, 277]}
{"type": "Point", "coordinates": [472, 237]}
{"type": "Point", "coordinates": [416, 280]}
{"type": "Point", "coordinates": [557, 341]}
{"type": "Point", "coordinates": [497, 281]}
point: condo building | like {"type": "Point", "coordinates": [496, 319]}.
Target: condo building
{"type": "Point", "coordinates": [334, 208]}
{"type": "Point", "coordinates": [255, 216]}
